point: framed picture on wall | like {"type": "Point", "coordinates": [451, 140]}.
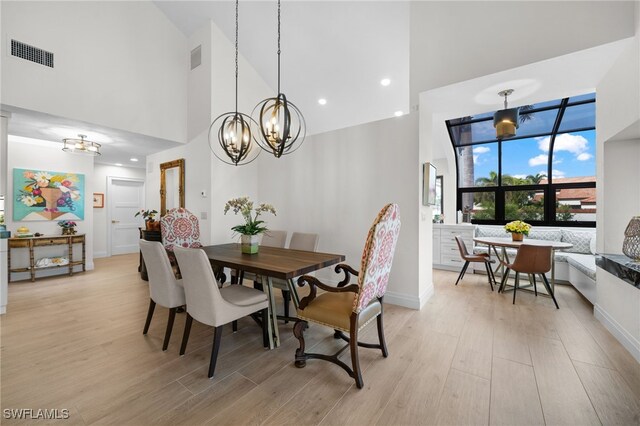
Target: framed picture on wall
{"type": "Point", "coordinates": [429, 172]}
{"type": "Point", "coordinates": [98, 200]}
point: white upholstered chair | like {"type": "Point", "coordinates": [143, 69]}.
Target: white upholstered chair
{"type": "Point", "coordinates": [164, 289]}
{"type": "Point", "coordinates": [215, 306]}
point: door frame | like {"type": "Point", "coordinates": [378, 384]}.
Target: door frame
{"type": "Point", "coordinates": [110, 192]}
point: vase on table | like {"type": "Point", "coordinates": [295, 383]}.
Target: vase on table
{"type": "Point", "coordinates": [249, 243]}
{"type": "Point", "coordinates": [68, 231]}
{"type": "Point", "coordinates": [631, 244]}
{"type": "Point", "coordinates": [516, 236]}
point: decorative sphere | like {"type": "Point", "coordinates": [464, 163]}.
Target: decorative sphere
{"type": "Point", "coordinates": [231, 140]}
{"type": "Point", "coordinates": [282, 126]}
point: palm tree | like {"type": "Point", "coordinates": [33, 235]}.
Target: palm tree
{"type": "Point", "coordinates": [537, 178]}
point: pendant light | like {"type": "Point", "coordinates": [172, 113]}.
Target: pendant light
{"type": "Point", "coordinates": [81, 146]}
{"type": "Point", "coordinates": [506, 121]}
{"type": "Point", "coordinates": [282, 126]}
{"type": "Point", "coordinates": [230, 136]}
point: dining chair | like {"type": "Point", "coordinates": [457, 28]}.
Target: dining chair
{"type": "Point", "coordinates": [164, 289]}
{"type": "Point", "coordinates": [468, 258]}
{"type": "Point", "coordinates": [530, 260]}
{"type": "Point", "coordinates": [347, 308]}
{"type": "Point", "coordinates": [299, 241]}
{"type": "Point", "coordinates": [181, 228]}
{"type": "Point", "coordinates": [210, 305]}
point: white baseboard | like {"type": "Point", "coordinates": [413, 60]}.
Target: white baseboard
{"type": "Point", "coordinates": [402, 299]}
{"type": "Point", "coordinates": [627, 340]}
{"type": "Point", "coordinates": [97, 254]}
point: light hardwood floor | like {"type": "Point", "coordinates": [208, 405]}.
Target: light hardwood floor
{"type": "Point", "coordinates": [468, 357]}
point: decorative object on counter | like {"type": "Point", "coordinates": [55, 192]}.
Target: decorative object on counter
{"type": "Point", "coordinates": [45, 195]}
{"type": "Point", "coordinates": [631, 244]}
{"type": "Point", "coordinates": [253, 226]}
{"type": "Point", "coordinates": [23, 232]}
{"type": "Point", "coordinates": [47, 262]}
{"type": "Point", "coordinates": [518, 229]}
{"type": "Point", "coordinates": [281, 123]}
{"type": "Point", "coordinates": [149, 217]}
{"type": "Point", "coordinates": [68, 227]}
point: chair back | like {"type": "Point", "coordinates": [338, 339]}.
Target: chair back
{"type": "Point", "coordinates": [303, 241]}
{"type": "Point", "coordinates": [204, 301]}
{"type": "Point", "coordinates": [377, 256]}
{"type": "Point", "coordinates": [532, 259]}
{"type": "Point", "coordinates": [164, 289]}
{"type": "Point", "coordinates": [273, 238]}
{"type": "Point", "coordinates": [464, 253]}
{"type": "Point", "coordinates": [180, 228]}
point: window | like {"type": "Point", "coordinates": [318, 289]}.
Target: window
{"type": "Point", "coordinates": [544, 175]}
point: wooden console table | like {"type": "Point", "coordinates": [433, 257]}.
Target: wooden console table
{"type": "Point", "coordinates": [52, 240]}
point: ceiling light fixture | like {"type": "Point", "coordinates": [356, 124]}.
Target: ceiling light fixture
{"type": "Point", "coordinates": [119, 164]}
{"type": "Point", "coordinates": [398, 113]}
{"type": "Point", "coordinates": [133, 159]}
{"type": "Point", "coordinates": [232, 142]}
{"type": "Point", "coordinates": [81, 146]}
{"type": "Point", "coordinates": [282, 125]}
{"type": "Point", "coordinates": [506, 120]}
{"type": "Point", "coordinates": [322, 101]}
{"type": "Point", "coordinates": [385, 82]}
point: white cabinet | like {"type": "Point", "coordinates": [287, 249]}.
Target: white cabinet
{"type": "Point", "coordinates": [446, 255]}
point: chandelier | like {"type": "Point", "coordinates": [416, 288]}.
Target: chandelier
{"type": "Point", "coordinates": [282, 126]}
{"type": "Point", "coordinates": [506, 121]}
{"type": "Point", "coordinates": [232, 141]}
{"type": "Point", "coordinates": [81, 146]}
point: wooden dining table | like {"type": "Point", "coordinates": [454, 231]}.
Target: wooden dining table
{"type": "Point", "coordinates": [504, 243]}
{"type": "Point", "coordinates": [272, 262]}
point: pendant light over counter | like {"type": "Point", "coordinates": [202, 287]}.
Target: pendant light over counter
{"type": "Point", "coordinates": [281, 124]}
{"type": "Point", "coordinates": [230, 134]}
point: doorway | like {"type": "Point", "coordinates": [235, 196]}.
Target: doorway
{"type": "Point", "coordinates": [125, 198]}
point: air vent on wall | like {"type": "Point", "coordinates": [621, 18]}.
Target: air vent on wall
{"type": "Point", "coordinates": [196, 57]}
{"type": "Point", "coordinates": [30, 53]}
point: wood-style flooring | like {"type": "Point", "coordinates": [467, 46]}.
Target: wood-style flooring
{"type": "Point", "coordinates": [468, 357]}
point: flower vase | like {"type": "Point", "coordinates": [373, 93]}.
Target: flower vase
{"type": "Point", "coordinates": [631, 244]}
{"type": "Point", "coordinates": [249, 243]}
{"type": "Point", "coordinates": [68, 231]}
{"type": "Point", "coordinates": [152, 225]}
{"type": "Point", "coordinates": [516, 236]}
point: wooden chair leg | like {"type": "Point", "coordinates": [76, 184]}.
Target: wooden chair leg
{"type": "Point", "coordinates": [464, 268]}
{"type": "Point", "coordinates": [353, 346]}
{"type": "Point", "coordinates": [152, 307]}
{"type": "Point", "coordinates": [167, 334]}
{"type": "Point", "coordinates": [265, 327]}
{"type": "Point", "coordinates": [546, 284]}
{"type": "Point", "coordinates": [488, 269]}
{"type": "Point", "coordinates": [535, 287]}
{"type": "Point", "coordinates": [185, 335]}
{"type": "Point", "coordinates": [515, 286]}
{"type": "Point", "coordinates": [381, 339]}
{"type": "Point", "coordinates": [217, 337]}
{"type": "Point", "coordinates": [298, 332]}
{"type": "Point", "coordinates": [286, 296]}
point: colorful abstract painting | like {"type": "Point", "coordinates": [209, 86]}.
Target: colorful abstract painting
{"type": "Point", "coordinates": [46, 195]}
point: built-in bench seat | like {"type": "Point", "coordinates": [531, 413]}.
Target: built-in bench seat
{"type": "Point", "coordinates": [575, 265]}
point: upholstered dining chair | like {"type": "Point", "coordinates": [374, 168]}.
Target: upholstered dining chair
{"type": "Point", "coordinates": [180, 228]}
{"type": "Point", "coordinates": [530, 260]}
{"type": "Point", "coordinates": [347, 308]}
{"type": "Point", "coordinates": [215, 306]}
{"type": "Point", "coordinates": [164, 289]}
{"type": "Point", "coordinates": [468, 258]}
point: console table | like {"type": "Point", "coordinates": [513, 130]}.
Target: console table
{"type": "Point", "coordinates": [32, 243]}
{"type": "Point", "coordinates": [149, 236]}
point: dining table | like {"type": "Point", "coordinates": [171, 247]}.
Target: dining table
{"type": "Point", "coordinates": [269, 263]}
{"type": "Point", "coordinates": [505, 243]}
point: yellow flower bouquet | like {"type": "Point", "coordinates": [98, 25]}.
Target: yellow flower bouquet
{"type": "Point", "coordinates": [518, 227]}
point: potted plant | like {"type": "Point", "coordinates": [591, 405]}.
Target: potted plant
{"type": "Point", "coordinates": [68, 227]}
{"type": "Point", "coordinates": [518, 229]}
{"type": "Point", "coordinates": [149, 217]}
{"type": "Point", "coordinates": [252, 227]}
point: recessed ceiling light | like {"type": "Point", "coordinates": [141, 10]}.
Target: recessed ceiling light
{"type": "Point", "coordinates": [322, 101]}
{"type": "Point", "coordinates": [119, 164]}
{"type": "Point", "coordinates": [133, 159]}
{"type": "Point", "coordinates": [385, 81]}
{"type": "Point", "coordinates": [398, 113]}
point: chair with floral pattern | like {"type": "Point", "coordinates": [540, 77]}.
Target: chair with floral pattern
{"type": "Point", "coordinates": [347, 308]}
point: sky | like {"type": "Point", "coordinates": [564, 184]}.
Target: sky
{"type": "Point", "coordinates": [574, 156]}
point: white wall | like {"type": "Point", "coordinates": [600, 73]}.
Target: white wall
{"type": "Point", "coordinates": [42, 155]}
{"type": "Point", "coordinates": [118, 64]}
{"type": "Point", "coordinates": [457, 41]}
{"type": "Point", "coordinates": [336, 183]}
{"type": "Point", "coordinates": [100, 225]}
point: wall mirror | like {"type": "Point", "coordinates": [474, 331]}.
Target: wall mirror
{"type": "Point", "coordinates": [171, 185]}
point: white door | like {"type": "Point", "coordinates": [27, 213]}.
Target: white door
{"type": "Point", "coordinates": [125, 197]}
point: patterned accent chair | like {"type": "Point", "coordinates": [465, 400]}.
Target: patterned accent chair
{"type": "Point", "coordinates": [347, 308]}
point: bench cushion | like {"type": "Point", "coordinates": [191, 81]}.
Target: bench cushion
{"type": "Point", "coordinates": [581, 240]}
{"type": "Point", "coordinates": [491, 231]}
{"type": "Point", "coordinates": [545, 234]}
{"type": "Point", "coordinates": [585, 263]}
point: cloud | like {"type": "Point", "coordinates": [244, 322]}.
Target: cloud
{"type": "Point", "coordinates": [481, 150]}
{"type": "Point", "coordinates": [557, 173]}
{"type": "Point", "coordinates": [520, 176]}
{"type": "Point", "coordinates": [574, 144]}
{"type": "Point", "coordinates": [539, 160]}
{"type": "Point", "coordinates": [584, 156]}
